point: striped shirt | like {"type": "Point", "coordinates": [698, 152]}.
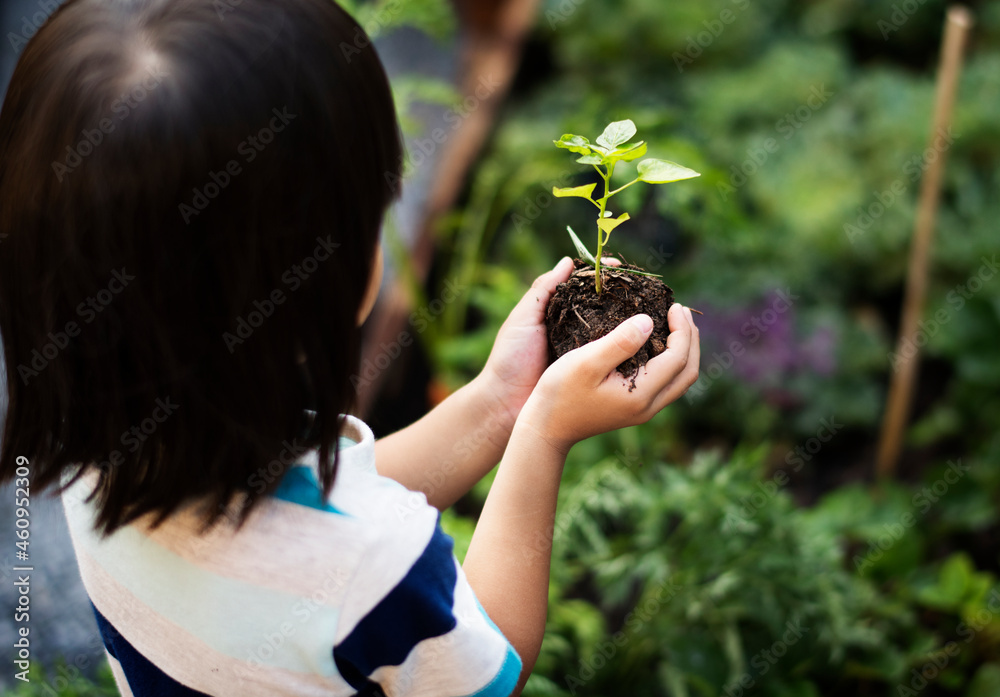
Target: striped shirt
{"type": "Point", "coordinates": [355, 593]}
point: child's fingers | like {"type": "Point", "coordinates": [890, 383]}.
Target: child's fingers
{"type": "Point", "coordinates": [530, 310]}
{"type": "Point", "coordinates": [688, 374]}
{"type": "Point", "coordinates": [679, 340]}
{"type": "Point", "coordinates": [600, 357]}
{"type": "Point", "coordinates": [559, 274]}
{"type": "Point", "coordinates": [661, 372]}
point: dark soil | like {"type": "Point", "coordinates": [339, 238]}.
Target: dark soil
{"type": "Point", "coordinates": [577, 315]}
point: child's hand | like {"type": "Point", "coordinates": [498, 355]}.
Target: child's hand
{"type": "Point", "coordinates": [582, 394]}
{"type": "Point", "coordinates": [520, 353]}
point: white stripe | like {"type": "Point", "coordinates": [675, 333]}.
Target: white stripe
{"type": "Point", "coordinates": [120, 680]}
{"type": "Point", "coordinates": [234, 617]}
{"type": "Point", "coordinates": [461, 662]}
{"type": "Point", "coordinates": [405, 529]}
{"type": "Point", "coordinates": [188, 660]}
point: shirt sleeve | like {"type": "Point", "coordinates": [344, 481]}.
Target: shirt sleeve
{"type": "Point", "coordinates": [428, 636]}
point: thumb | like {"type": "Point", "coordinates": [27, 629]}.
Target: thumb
{"type": "Point", "coordinates": [620, 344]}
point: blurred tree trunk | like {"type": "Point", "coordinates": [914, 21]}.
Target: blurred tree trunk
{"type": "Point", "coordinates": [491, 37]}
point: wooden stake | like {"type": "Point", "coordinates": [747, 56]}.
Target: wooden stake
{"type": "Point", "coordinates": [903, 379]}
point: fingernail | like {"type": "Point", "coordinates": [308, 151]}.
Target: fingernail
{"type": "Point", "coordinates": [563, 261]}
{"type": "Point", "coordinates": [643, 323]}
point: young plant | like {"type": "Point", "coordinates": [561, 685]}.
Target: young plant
{"type": "Point", "coordinates": [612, 147]}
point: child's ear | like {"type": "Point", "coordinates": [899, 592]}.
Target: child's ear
{"type": "Point", "coordinates": [374, 283]}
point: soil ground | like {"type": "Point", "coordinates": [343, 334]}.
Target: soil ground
{"type": "Point", "coordinates": [577, 314]}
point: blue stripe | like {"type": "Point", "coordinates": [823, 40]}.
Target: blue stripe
{"type": "Point", "coordinates": [144, 678]}
{"type": "Point", "coordinates": [299, 485]}
{"type": "Point", "coordinates": [420, 607]}
{"type": "Point", "coordinates": [506, 680]}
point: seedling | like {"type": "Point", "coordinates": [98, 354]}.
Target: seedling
{"type": "Point", "coordinates": [612, 147]}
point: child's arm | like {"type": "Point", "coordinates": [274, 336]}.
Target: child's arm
{"type": "Point", "coordinates": [451, 448]}
{"type": "Point", "coordinates": [579, 396]}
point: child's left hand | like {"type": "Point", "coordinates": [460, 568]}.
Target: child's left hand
{"type": "Point", "coordinates": [520, 353]}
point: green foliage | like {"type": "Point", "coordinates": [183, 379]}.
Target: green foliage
{"type": "Point", "coordinates": [707, 575]}
{"type": "Point", "coordinates": [810, 129]}
{"type": "Point", "coordinates": [380, 17]}
{"type": "Point", "coordinates": [612, 147]}
{"type": "Point", "coordinates": [54, 681]}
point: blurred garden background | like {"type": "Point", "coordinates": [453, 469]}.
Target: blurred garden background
{"type": "Point", "coordinates": [740, 543]}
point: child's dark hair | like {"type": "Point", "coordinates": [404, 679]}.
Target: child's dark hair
{"type": "Point", "coordinates": [191, 193]}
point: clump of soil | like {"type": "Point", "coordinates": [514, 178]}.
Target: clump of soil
{"type": "Point", "coordinates": [577, 315]}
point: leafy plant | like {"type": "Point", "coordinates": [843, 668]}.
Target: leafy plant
{"type": "Point", "coordinates": [706, 580]}
{"type": "Point", "coordinates": [64, 680]}
{"type": "Point", "coordinates": [612, 147]}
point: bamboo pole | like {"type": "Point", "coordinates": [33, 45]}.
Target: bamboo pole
{"type": "Point", "coordinates": [903, 380]}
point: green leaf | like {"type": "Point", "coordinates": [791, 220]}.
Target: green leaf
{"type": "Point", "coordinates": [637, 272]}
{"type": "Point", "coordinates": [577, 144]}
{"type": "Point", "coordinates": [627, 154]}
{"type": "Point", "coordinates": [950, 589]}
{"type": "Point", "coordinates": [580, 248]}
{"type": "Point", "coordinates": [609, 224]}
{"type": "Point", "coordinates": [591, 159]}
{"type": "Point", "coordinates": [617, 133]}
{"type": "Point", "coordinates": [579, 191]}
{"type": "Point", "coordinates": [956, 572]}
{"type": "Point", "coordinates": [654, 171]}
{"type": "Point", "coordinates": [986, 683]}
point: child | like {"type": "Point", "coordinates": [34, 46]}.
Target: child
{"type": "Point", "coordinates": [192, 192]}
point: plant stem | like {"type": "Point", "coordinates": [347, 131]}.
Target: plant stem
{"type": "Point", "coordinates": [602, 204]}
{"type": "Point", "coordinates": [634, 181]}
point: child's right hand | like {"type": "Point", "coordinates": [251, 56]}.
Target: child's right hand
{"type": "Point", "coordinates": [581, 394]}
